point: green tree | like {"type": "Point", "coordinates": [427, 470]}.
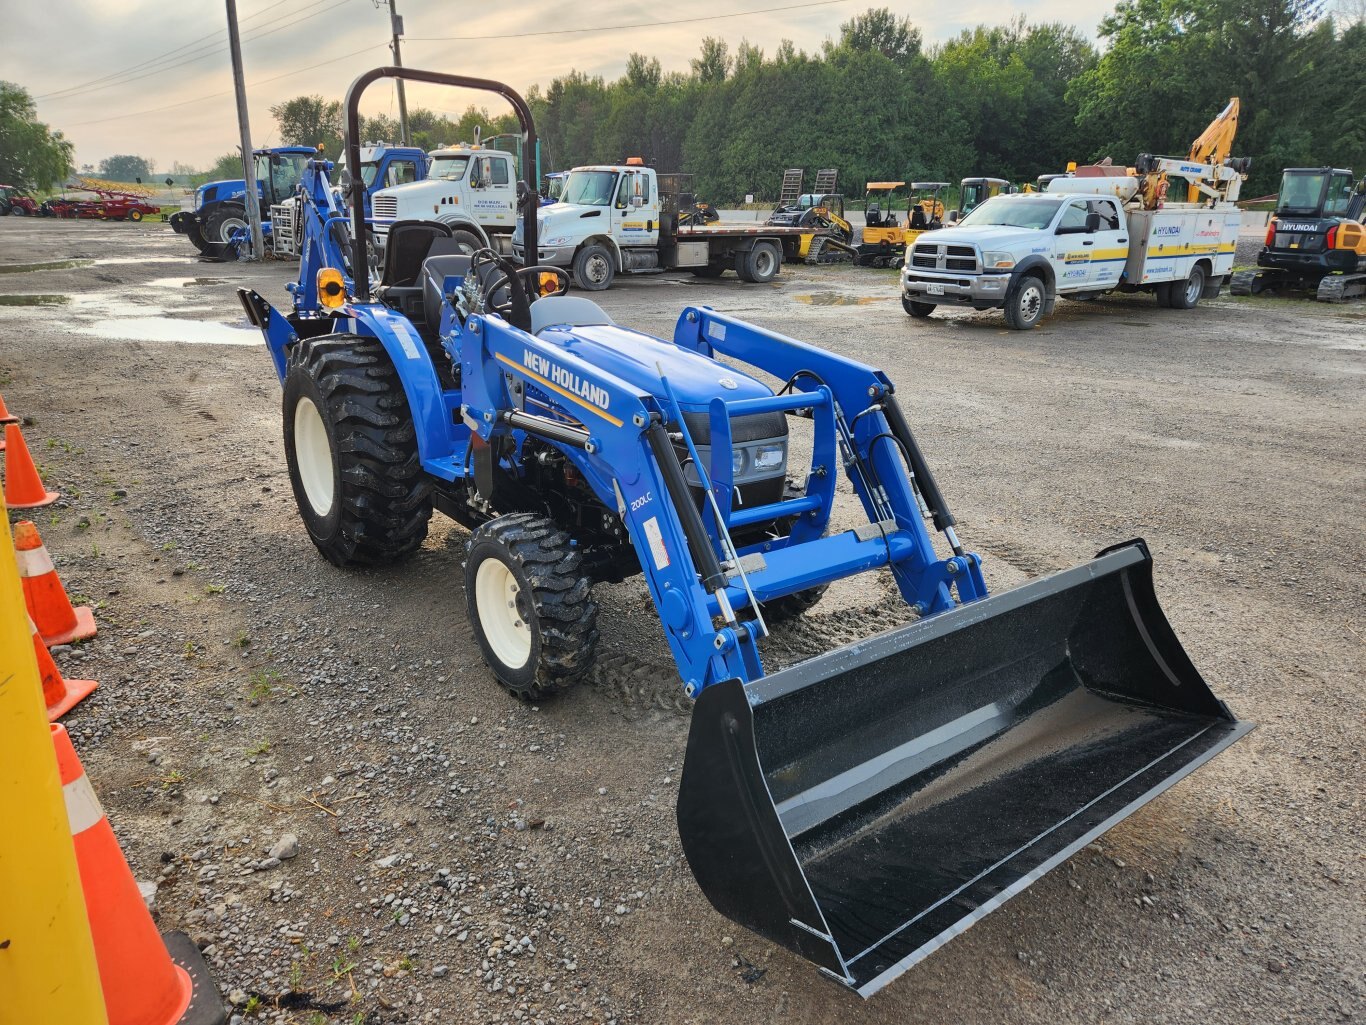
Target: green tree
{"type": "Point", "coordinates": [125, 167]}
{"type": "Point", "coordinates": [713, 63]}
{"type": "Point", "coordinates": [308, 121]}
{"type": "Point", "coordinates": [32, 156]}
{"type": "Point", "coordinates": [878, 30]}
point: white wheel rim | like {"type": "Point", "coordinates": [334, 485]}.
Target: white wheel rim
{"type": "Point", "coordinates": [1030, 301]}
{"type": "Point", "coordinates": [1193, 288]}
{"type": "Point", "coordinates": [229, 226]}
{"type": "Point", "coordinates": [496, 594]}
{"type": "Point", "coordinates": [313, 457]}
{"type": "Point", "coordinates": [763, 263]}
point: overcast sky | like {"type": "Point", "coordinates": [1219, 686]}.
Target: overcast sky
{"type": "Point", "coordinates": [153, 78]}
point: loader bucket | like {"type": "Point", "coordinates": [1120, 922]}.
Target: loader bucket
{"type": "Point", "coordinates": [865, 807]}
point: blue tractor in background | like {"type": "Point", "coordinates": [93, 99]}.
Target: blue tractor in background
{"type": "Point", "coordinates": [218, 210]}
{"type": "Point", "coordinates": [860, 808]}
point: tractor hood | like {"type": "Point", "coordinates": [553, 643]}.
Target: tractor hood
{"type": "Point", "coordinates": [216, 192]}
{"type": "Point", "coordinates": [637, 358]}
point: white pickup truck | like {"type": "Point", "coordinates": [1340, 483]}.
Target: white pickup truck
{"type": "Point", "coordinates": [469, 188]}
{"type": "Point", "coordinates": [1020, 253]}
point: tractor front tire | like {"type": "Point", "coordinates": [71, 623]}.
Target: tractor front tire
{"type": "Point", "coordinates": [530, 605]}
{"type": "Point", "coordinates": [352, 452]}
{"type": "Point", "coordinates": [223, 222]}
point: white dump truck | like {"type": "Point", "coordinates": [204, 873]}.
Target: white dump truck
{"type": "Point", "coordinates": [468, 187]}
{"type": "Point", "coordinates": [1167, 226]}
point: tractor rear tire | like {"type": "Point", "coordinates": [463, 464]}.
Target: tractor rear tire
{"type": "Point", "coordinates": [352, 452]}
{"type": "Point", "coordinates": [792, 606]}
{"type": "Point", "coordinates": [760, 264]}
{"type": "Point", "coordinates": [530, 605]}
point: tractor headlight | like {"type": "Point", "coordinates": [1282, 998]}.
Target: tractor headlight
{"type": "Point", "coordinates": [737, 462]}
{"type": "Point", "coordinates": [997, 261]}
{"type": "Point", "coordinates": [769, 457]}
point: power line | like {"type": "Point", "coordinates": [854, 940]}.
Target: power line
{"type": "Point", "coordinates": [149, 61]}
{"type": "Point", "coordinates": [614, 28]}
{"type": "Point", "coordinates": [195, 55]}
{"type": "Point", "coordinates": [214, 96]}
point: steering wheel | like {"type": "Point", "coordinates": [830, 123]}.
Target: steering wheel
{"type": "Point", "coordinates": [520, 285]}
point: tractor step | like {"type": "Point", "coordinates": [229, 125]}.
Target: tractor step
{"type": "Point", "coordinates": [866, 806]}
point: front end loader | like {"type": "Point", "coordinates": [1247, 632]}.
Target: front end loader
{"type": "Point", "coordinates": [860, 808]}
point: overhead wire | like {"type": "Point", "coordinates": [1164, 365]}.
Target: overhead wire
{"type": "Point", "coordinates": [192, 57]}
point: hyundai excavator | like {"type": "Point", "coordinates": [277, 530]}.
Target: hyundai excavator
{"type": "Point", "coordinates": [1316, 239]}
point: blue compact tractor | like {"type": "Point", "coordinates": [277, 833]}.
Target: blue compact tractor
{"type": "Point", "coordinates": [860, 808]}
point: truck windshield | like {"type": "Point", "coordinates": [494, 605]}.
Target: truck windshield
{"type": "Point", "coordinates": [450, 168]}
{"type": "Point", "coordinates": [590, 188]}
{"type": "Point", "coordinates": [1301, 194]}
{"type": "Point", "coordinates": [1012, 213]}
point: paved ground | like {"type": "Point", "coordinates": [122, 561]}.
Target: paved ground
{"type": "Point", "coordinates": [465, 859]}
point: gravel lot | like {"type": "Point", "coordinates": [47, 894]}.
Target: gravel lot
{"type": "Point", "coordinates": [461, 858]}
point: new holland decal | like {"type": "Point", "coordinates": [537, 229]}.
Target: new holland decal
{"type": "Point", "coordinates": [566, 379]}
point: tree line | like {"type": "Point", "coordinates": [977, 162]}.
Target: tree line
{"type": "Point", "coordinates": [1012, 101]}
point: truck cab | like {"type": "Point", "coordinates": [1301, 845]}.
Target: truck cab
{"type": "Point", "coordinates": [607, 220]}
{"type": "Point", "coordinates": [469, 188]}
{"type": "Point", "coordinates": [384, 166]}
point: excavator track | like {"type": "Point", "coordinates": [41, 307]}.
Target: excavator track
{"type": "Point", "coordinates": [1336, 288]}
{"type": "Point", "coordinates": [1245, 282]}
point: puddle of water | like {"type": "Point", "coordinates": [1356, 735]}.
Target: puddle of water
{"type": "Point", "coordinates": [840, 299]}
{"type": "Point", "coordinates": [25, 268]}
{"type": "Point", "coordinates": [185, 282]}
{"type": "Point", "coordinates": [110, 261]}
{"type": "Point", "coordinates": [158, 329]}
{"type": "Point", "coordinates": [34, 300]}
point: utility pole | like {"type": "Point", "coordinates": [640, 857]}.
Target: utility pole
{"type": "Point", "coordinates": [251, 202]}
{"type": "Point", "coordinates": [396, 26]}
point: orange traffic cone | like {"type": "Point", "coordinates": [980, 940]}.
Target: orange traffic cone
{"type": "Point", "coordinates": [23, 487]}
{"type": "Point", "coordinates": [6, 417]}
{"type": "Point", "coordinates": [147, 979]}
{"type": "Point", "coordinates": [48, 606]}
{"type": "Point", "coordinates": [60, 694]}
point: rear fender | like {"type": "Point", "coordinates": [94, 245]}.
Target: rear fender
{"type": "Point", "coordinates": [436, 435]}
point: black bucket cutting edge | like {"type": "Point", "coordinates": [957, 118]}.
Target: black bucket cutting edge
{"type": "Point", "coordinates": [865, 807]}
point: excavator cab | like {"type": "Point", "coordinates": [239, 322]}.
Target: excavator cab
{"type": "Point", "coordinates": [973, 192]}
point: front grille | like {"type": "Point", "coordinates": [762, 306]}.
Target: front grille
{"type": "Point", "coordinates": [386, 206]}
{"type": "Point", "coordinates": [933, 256]}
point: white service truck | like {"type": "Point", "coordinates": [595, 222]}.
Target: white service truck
{"type": "Point", "coordinates": [1020, 253]}
{"type": "Point", "coordinates": [471, 189]}
{"type": "Point", "coordinates": [624, 219]}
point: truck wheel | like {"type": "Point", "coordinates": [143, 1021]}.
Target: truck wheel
{"type": "Point", "coordinates": [710, 270]}
{"type": "Point", "coordinates": [468, 241]}
{"type": "Point", "coordinates": [1025, 303]}
{"type": "Point", "coordinates": [352, 452]}
{"type": "Point", "coordinates": [223, 222]}
{"type": "Point", "coordinates": [760, 264]}
{"type": "Point", "coordinates": [1185, 295]}
{"type": "Point", "coordinates": [593, 270]}
{"type": "Point", "coordinates": [529, 604]}
{"type": "Point", "coordinates": [916, 309]}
